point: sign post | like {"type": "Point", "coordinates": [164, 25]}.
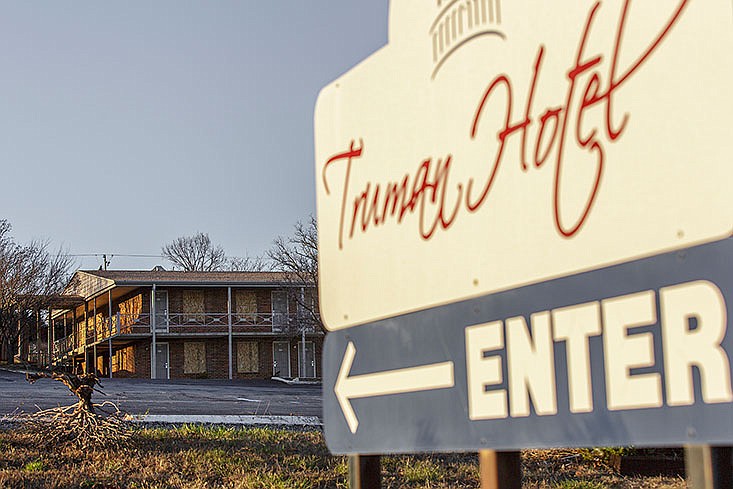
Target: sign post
{"type": "Point", "coordinates": [524, 220]}
{"type": "Point", "coordinates": [365, 472]}
{"type": "Point", "coordinates": [500, 470]}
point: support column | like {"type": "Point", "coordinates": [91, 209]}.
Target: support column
{"type": "Point", "coordinates": [153, 326]}
{"type": "Point", "coordinates": [86, 340]}
{"type": "Point", "coordinates": [66, 336]}
{"type": "Point", "coordinates": [109, 338]}
{"type": "Point", "coordinates": [94, 339]}
{"type": "Point", "coordinates": [51, 339]}
{"type": "Point", "coordinates": [301, 320]}
{"type": "Point", "coordinates": [10, 352]}
{"type": "Point", "coordinates": [38, 339]}
{"type": "Point", "coordinates": [229, 335]}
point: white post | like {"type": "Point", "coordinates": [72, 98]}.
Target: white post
{"type": "Point", "coordinates": [38, 339]}
{"type": "Point", "coordinates": [302, 339]}
{"type": "Point", "coordinates": [51, 339]}
{"type": "Point", "coordinates": [21, 347]}
{"type": "Point", "coordinates": [301, 321]}
{"type": "Point", "coordinates": [109, 338]}
{"type": "Point", "coordinates": [86, 339]}
{"type": "Point", "coordinates": [153, 358]}
{"type": "Point", "coordinates": [229, 321]}
{"type": "Point", "coordinates": [66, 337]}
{"type": "Point", "coordinates": [94, 345]}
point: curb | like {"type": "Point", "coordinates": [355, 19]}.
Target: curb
{"type": "Point", "coordinates": [226, 419]}
{"type": "Point", "coordinates": [296, 381]}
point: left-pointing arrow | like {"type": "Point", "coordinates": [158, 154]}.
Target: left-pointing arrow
{"type": "Point", "coordinates": [413, 379]}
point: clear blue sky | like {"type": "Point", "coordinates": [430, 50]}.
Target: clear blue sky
{"type": "Point", "coordinates": [125, 124]}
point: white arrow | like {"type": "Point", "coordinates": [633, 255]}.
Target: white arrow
{"type": "Point", "coordinates": [423, 378]}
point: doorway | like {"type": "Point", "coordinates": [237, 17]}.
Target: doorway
{"type": "Point", "coordinates": [162, 370]}
{"type": "Point", "coordinates": [281, 359]}
{"type": "Point", "coordinates": [279, 311]}
{"type": "Point", "coordinates": [161, 310]}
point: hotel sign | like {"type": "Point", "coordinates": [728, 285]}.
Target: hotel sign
{"type": "Point", "coordinates": [495, 144]}
{"type": "Point", "coordinates": [524, 210]}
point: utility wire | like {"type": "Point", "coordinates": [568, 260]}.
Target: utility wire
{"type": "Point", "coordinates": [112, 254]}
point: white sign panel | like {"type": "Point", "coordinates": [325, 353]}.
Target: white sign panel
{"type": "Point", "coordinates": [493, 144]}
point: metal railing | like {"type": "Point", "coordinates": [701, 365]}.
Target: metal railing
{"type": "Point", "coordinates": [276, 321]}
{"type": "Point", "coordinates": [99, 329]}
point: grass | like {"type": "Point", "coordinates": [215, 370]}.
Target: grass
{"type": "Point", "coordinates": [570, 484]}
{"type": "Point", "coordinates": [195, 456]}
{"type": "Point", "coordinates": [34, 466]}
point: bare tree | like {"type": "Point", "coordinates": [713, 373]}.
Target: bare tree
{"type": "Point", "coordinates": [27, 273]}
{"type": "Point", "coordinates": [195, 254]}
{"type": "Point", "coordinates": [298, 256]}
{"type": "Point", "coordinates": [249, 264]}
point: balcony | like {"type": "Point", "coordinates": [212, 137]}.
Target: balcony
{"type": "Point", "coordinates": [209, 322]}
{"type": "Point", "coordinates": [131, 325]}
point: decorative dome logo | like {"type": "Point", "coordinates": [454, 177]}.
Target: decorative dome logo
{"type": "Point", "coordinates": [460, 22]}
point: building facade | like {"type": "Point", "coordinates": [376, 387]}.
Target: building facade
{"type": "Point", "coordinates": [170, 324]}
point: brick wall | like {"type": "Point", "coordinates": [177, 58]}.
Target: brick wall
{"type": "Point", "coordinates": [142, 359]}
{"type": "Point", "coordinates": [264, 300]}
{"type": "Point", "coordinates": [215, 299]}
{"type": "Point", "coordinates": [217, 358]}
{"type": "Point", "coordinates": [175, 300]}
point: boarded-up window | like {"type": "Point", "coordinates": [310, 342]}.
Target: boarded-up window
{"type": "Point", "coordinates": [194, 357]}
{"type": "Point", "coordinates": [245, 303]}
{"type": "Point", "coordinates": [193, 306]}
{"type": "Point", "coordinates": [124, 360]}
{"type": "Point", "coordinates": [80, 331]}
{"type": "Point", "coordinates": [248, 357]}
{"type": "Point", "coordinates": [130, 310]}
{"type": "Point", "coordinates": [99, 326]}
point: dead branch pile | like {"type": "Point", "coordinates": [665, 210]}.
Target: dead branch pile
{"type": "Point", "coordinates": [84, 424]}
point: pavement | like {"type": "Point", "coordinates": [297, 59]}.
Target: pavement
{"type": "Point", "coordinates": [239, 401]}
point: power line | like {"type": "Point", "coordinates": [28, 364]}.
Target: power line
{"type": "Point", "coordinates": [129, 255]}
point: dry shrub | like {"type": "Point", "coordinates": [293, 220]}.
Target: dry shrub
{"type": "Point", "coordinates": [83, 425]}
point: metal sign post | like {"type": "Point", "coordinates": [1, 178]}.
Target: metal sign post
{"type": "Point", "coordinates": [500, 470]}
{"type": "Point", "coordinates": [365, 472]}
{"type": "Point", "coordinates": [709, 467]}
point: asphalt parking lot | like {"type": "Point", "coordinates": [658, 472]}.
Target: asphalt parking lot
{"type": "Point", "coordinates": [172, 397]}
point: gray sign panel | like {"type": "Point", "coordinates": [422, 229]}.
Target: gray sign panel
{"type": "Point", "coordinates": [633, 354]}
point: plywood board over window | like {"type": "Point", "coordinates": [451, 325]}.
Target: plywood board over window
{"type": "Point", "coordinates": [193, 306]}
{"type": "Point", "coordinates": [194, 357]}
{"type": "Point", "coordinates": [124, 360]}
{"type": "Point", "coordinates": [245, 304]}
{"type": "Point", "coordinates": [248, 357]}
{"type": "Point", "coordinates": [130, 310]}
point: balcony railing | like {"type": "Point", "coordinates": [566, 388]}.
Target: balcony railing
{"type": "Point", "coordinates": [141, 323]}
{"type": "Point", "coordinates": [211, 322]}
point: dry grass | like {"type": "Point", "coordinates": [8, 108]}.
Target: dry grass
{"type": "Point", "coordinates": [200, 457]}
